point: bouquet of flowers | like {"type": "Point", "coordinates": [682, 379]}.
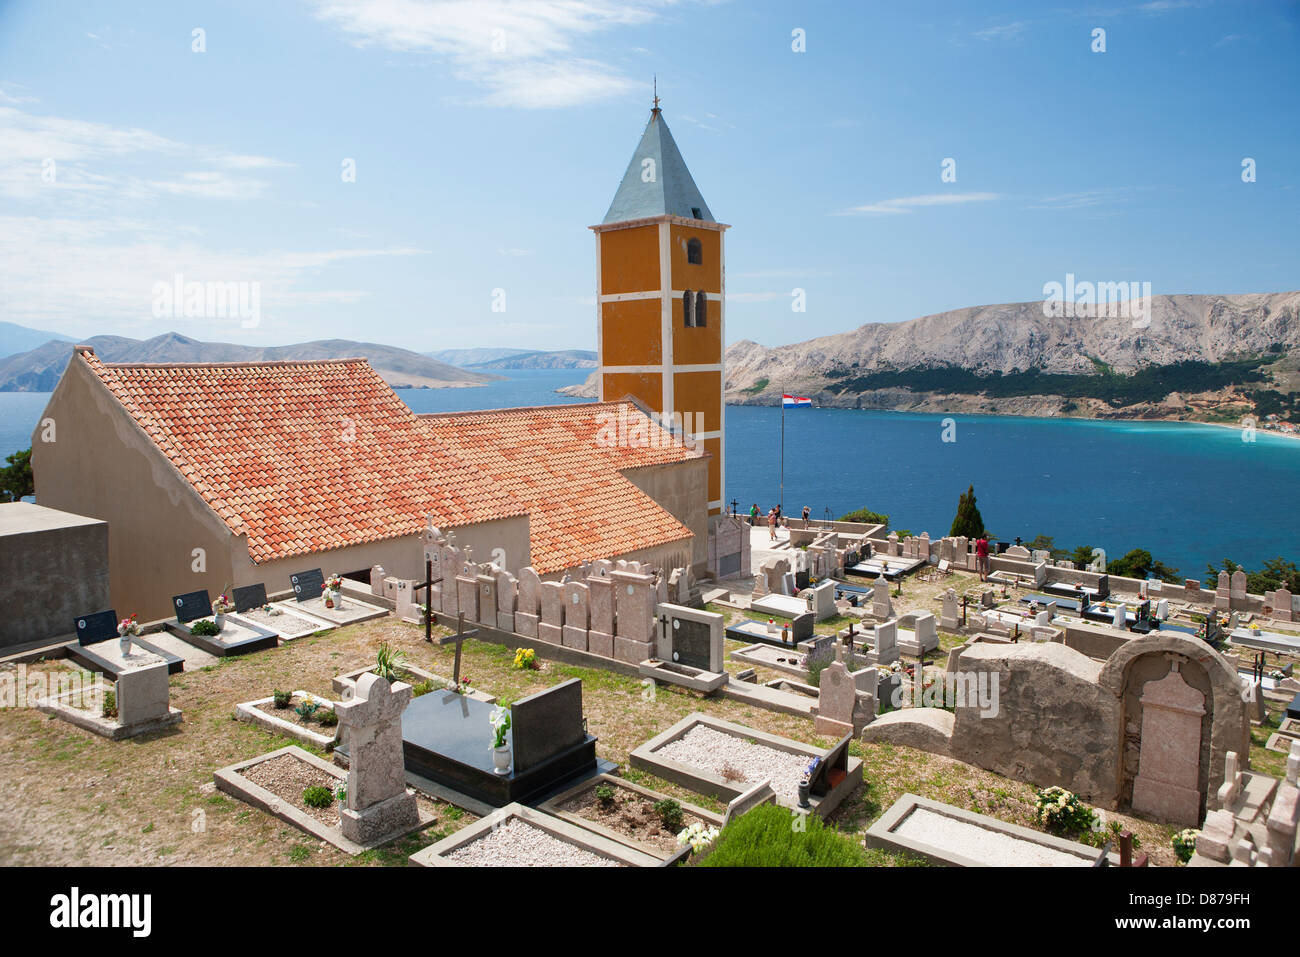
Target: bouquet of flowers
{"type": "Point", "coordinates": [334, 583]}
{"type": "Point", "coordinates": [128, 627]}
{"type": "Point", "coordinates": [222, 605]}
{"type": "Point", "coordinates": [500, 721]}
{"type": "Point", "coordinates": [525, 659]}
{"type": "Point", "coordinates": [1185, 843]}
{"type": "Point", "coordinates": [1061, 811]}
{"type": "Point", "coordinates": [697, 836]}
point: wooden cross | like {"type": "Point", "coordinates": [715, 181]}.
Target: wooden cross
{"type": "Point", "coordinates": [459, 638]}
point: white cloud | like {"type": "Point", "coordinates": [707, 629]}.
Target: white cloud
{"type": "Point", "coordinates": [520, 54]}
{"type": "Point", "coordinates": [906, 204]}
{"type": "Point", "coordinates": [1002, 32]}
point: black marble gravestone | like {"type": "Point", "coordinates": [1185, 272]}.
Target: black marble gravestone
{"type": "Point", "coordinates": [192, 606]}
{"type": "Point", "coordinates": [447, 738]}
{"type": "Point", "coordinates": [832, 767]}
{"type": "Point", "coordinates": [691, 642]}
{"type": "Point", "coordinates": [249, 597]}
{"type": "Point", "coordinates": [100, 626]}
{"type": "Point", "coordinates": [307, 585]}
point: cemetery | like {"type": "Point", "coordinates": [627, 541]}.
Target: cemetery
{"type": "Point", "coordinates": [392, 719]}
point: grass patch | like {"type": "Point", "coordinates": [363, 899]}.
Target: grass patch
{"type": "Point", "coordinates": [772, 836]}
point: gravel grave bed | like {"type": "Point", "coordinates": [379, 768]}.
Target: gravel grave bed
{"type": "Point", "coordinates": [630, 814]}
{"type": "Point", "coordinates": [285, 621]}
{"type": "Point", "coordinates": [518, 844]}
{"type": "Point", "coordinates": [727, 756]}
{"type": "Point", "coordinates": [290, 715]}
{"type": "Point", "coordinates": [990, 847]}
{"type": "Point", "coordinates": [288, 776]}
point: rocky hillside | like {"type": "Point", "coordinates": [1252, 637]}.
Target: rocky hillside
{"type": "Point", "coordinates": [1198, 357]}
{"type": "Point", "coordinates": [39, 369]}
{"type": "Point", "coordinates": [517, 358]}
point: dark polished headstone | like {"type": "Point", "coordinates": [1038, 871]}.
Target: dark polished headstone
{"type": "Point", "coordinates": [249, 597]}
{"type": "Point", "coordinates": [801, 628]}
{"type": "Point", "coordinates": [836, 759]}
{"type": "Point", "coordinates": [692, 642]}
{"type": "Point", "coordinates": [307, 585]}
{"type": "Point", "coordinates": [100, 626]}
{"type": "Point", "coordinates": [192, 606]}
{"type": "Point", "coordinates": [546, 723]}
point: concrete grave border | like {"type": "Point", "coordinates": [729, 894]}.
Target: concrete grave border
{"type": "Point", "coordinates": [552, 806]}
{"type": "Point", "coordinates": [703, 782]}
{"type": "Point", "coordinates": [435, 855]}
{"type": "Point", "coordinates": [109, 728]}
{"type": "Point", "coordinates": [248, 711]}
{"type": "Point", "coordinates": [881, 834]}
{"type": "Point", "coordinates": [345, 683]}
{"type": "Point", "coordinates": [231, 780]}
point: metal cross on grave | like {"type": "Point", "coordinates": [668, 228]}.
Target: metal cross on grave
{"type": "Point", "coordinates": [459, 638]}
{"type": "Point", "coordinates": [427, 588]}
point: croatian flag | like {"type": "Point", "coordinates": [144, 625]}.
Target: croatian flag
{"type": "Point", "coordinates": [795, 402]}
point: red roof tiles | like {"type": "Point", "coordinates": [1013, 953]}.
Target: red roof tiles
{"type": "Point", "coordinates": [302, 456]}
{"type": "Point", "coordinates": [565, 462]}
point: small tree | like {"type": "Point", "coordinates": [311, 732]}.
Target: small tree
{"type": "Point", "coordinates": [16, 477]}
{"type": "Point", "coordinates": [968, 522]}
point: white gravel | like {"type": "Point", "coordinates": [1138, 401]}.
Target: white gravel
{"type": "Point", "coordinates": [518, 844]}
{"type": "Point", "coordinates": [283, 622]}
{"type": "Point", "coordinates": [990, 847]}
{"type": "Point", "coordinates": [713, 750]}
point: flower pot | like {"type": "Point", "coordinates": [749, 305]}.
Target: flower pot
{"type": "Point", "coordinates": [805, 788]}
{"type": "Point", "coordinates": [501, 759]}
{"type": "Point", "coordinates": [124, 643]}
{"type": "Point", "coordinates": [220, 620]}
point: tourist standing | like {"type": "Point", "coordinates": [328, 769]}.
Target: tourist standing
{"type": "Point", "coordinates": [753, 514]}
{"type": "Point", "coordinates": [771, 524]}
{"type": "Point", "coordinates": [806, 512]}
{"type": "Point", "coordinates": [982, 556]}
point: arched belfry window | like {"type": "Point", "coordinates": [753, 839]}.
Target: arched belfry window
{"type": "Point", "coordinates": [688, 302]}
{"type": "Point", "coordinates": [701, 309]}
{"type": "Point", "coordinates": [695, 252]}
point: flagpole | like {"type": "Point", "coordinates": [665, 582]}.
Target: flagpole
{"type": "Point", "coordinates": [782, 499]}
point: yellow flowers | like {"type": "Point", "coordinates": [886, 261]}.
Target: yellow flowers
{"type": "Point", "coordinates": [525, 659]}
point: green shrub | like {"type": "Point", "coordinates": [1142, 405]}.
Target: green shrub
{"type": "Point", "coordinates": [318, 796]}
{"type": "Point", "coordinates": [1061, 812]}
{"type": "Point", "coordinates": [817, 662]}
{"type": "Point", "coordinates": [327, 717]}
{"type": "Point", "coordinates": [605, 794]}
{"type": "Point", "coordinates": [282, 698]}
{"type": "Point", "coordinates": [769, 836]}
{"type": "Point", "coordinates": [307, 707]}
{"type": "Point", "coordinates": [1185, 844]}
{"type": "Point", "coordinates": [866, 516]}
{"type": "Point", "coordinates": [424, 687]}
{"type": "Point", "coordinates": [670, 812]}
{"type": "Point", "coordinates": [204, 626]}
{"type": "Point", "coordinates": [109, 707]}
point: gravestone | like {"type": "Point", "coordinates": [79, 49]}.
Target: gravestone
{"type": "Point", "coordinates": [884, 650]}
{"type": "Point", "coordinates": [507, 594]}
{"type": "Point", "coordinates": [191, 606]}
{"type": "Point", "coordinates": [821, 602]}
{"type": "Point", "coordinates": [1166, 785]}
{"type": "Point", "coordinates": [408, 609]}
{"type": "Point", "coordinates": [529, 592]}
{"type": "Point", "coordinates": [841, 707]}
{"type": "Point", "coordinates": [487, 598]}
{"type": "Point", "coordinates": [634, 637]}
{"type": "Point", "coordinates": [142, 694]}
{"type": "Point", "coordinates": [882, 606]}
{"type": "Point", "coordinates": [925, 634]}
{"type": "Point", "coordinates": [950, 617]}
{"type": "Point", "coordinates": [306, 585]}
{"type": "Point", "coordinates": [546, 723]}
{"type": "Point", "coordinates": [248, 597]}
{"type": "Point", "coordinates": [467, 592]}
{"type": "Point", "coordinates": [551, 626]}
{"type": "Point", "coordinates": [691, 637]}
{"type": "Point", "coordinates": [577, 603]}
{"type": "Point", "coordinates": [95, 628]}
{"type": "Point", "coordinates": [377, 576]}
{"type": "Point", "coordinates": [600, 636]}
{"type": "Point", "coordinates": [378, 803]}
{"type": "Point", "coordinates": [1119, 618]}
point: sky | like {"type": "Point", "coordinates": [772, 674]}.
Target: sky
{"type": "Point", "coordinates": [422, 173]}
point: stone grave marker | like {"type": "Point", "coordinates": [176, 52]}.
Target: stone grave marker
{"type": "Point", "coordinates": [378, 803]}
{"type": "Point", "coordinates": [530, 592]}
{"type": "Point", "coordinates": [546, 723]}
{"type": "Point", "coordinates": [1166, 785]}
{"type": "Point", "coordinates": [306, 585]}
{"type": "Point", "coordinates": [191, 606]}
{"type": "Point", "coordinates": [551, 627]}
{"type": "Point", "coordinates": [248, 597]}
{"type": "Point", "coordinates": [577, 602]}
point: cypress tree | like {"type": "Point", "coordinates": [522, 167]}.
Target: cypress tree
{"type": "Point", "coordinates": [968, 521]}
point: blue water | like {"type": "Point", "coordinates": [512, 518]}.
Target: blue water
{"type": "Point", "coordinates": [1190, 494]}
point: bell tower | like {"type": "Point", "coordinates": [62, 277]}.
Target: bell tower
{"type": "Point", "coordinates": [660, 283]}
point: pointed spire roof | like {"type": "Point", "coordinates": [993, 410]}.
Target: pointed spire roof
{"type": "Point", "coordinates": [664, 188]}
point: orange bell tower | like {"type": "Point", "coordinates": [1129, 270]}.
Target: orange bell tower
{"type": "Point", "coordinates": [660, 284]}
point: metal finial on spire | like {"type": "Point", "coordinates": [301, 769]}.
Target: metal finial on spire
{"type": "Point", "coordinates": [656, 87]}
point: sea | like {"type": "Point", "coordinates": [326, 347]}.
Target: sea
{"type": "Point", "coordinates": [1190, 494]}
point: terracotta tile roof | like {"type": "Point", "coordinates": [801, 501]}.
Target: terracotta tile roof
{"type": "Point", "coordinates": [559, 461]}
{"type": "Point", "coordinates": [302, 456]}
